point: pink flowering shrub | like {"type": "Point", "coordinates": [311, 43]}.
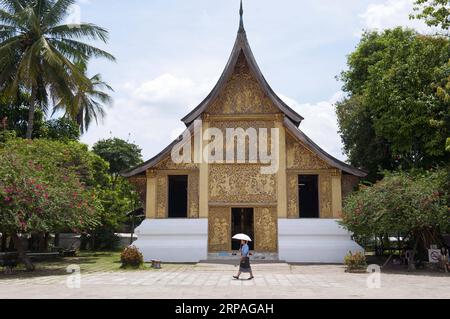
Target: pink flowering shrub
{"type": "Point", "coordinates": [412, 205]}
{"type": "Point", "coordinates": [41, 189]}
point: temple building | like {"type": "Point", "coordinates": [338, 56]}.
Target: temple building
{"type": "Point", "coordinates": [193, 208]}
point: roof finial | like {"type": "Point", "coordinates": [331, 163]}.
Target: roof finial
{"type": "Point", "coordinates": [241, 23]}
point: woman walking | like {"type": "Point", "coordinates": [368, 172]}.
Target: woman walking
{"type": "Point", "coordinates": [244, 266]}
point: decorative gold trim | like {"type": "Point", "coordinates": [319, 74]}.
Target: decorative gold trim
{"type": "Point", "coordinates": [282, 208]}
{"type": "Point", "coordinates": [243, 205]}
{"type": "Point", "coordinates": [266, 229]}
{"type": "Point", "coordinates": [308, 171]}
{"type": "Point", "coordinates": [151, 173]}
{"type": "Point", "coordinates": [178, 172]}
{"type": "Point", "coordinates": [245, 117]}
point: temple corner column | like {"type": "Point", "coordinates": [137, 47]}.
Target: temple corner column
{"type": "Point", "coordinates": [203, 174]}
{"type": "Point", "coordinates": [150, 207]}
{"type": "Point", "coordinates": [336, 187]}
{"type": "Point", "coordinates": [281, 174]}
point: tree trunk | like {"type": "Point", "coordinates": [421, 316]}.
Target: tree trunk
{"type": "Point", "coordinates": [10, 244]}
{"type": "Point", "coordinates": [80, 121]}
{"type": "Point", "coordinates": [4, 238]}
{"type": "Point", "coordinates": [57, 240]}
{"type": "Point", "coordinates": [43, 242]}
{"type": "Point", "coordinates": [31, 113]}
{"type": "Point", "coordinates": [411, 264]}
{"type": "Point", "coordinates": [21, 252]}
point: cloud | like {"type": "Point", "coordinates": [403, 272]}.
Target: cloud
{"type": "Point", "coordinates": [149, 113]}
{"type": "Point", "coordinates": [391, 14]}
{"type": "Point", "coordinates": [167, 90]}
{"type": "Point", "coordinates": [321, 123]}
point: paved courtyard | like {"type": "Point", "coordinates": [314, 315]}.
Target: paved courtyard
{"type": "Point", "coordinates": [214, 281]}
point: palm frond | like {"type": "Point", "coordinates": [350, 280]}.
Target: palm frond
{"type": "Point", "coordinates": [79, 50]}
{"type": "Point", "coordinates": [14, 6]}
{"type": "Point", "coordinates": [85, 30]}
{"type": "Point", "coordinates": [10, 19]}
{"type": "Point", "coordinates": [57, 12]}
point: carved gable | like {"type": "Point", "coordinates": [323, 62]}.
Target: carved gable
{"type": "Point", "coordinates": [242, 94]}
{"type": "Point", "coordinates": [299, 157]}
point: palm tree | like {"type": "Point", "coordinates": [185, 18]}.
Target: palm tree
{"type": "Point", "coordinates": [37, 51]}
{"type": "Point", "coordinates": [88, 101]}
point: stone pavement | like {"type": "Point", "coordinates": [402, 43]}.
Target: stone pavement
{"type": "Point", "coordinates": [205, 281]}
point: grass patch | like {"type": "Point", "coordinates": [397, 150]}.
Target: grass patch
{"type": "Point", "coordinates": [89, 262]}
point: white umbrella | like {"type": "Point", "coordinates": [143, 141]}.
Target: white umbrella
{"type": "Point", "coordinates": [242, 237]}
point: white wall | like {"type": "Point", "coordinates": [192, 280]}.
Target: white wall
{"type": "Point", "coordinates": [314, 241]}
{"type": "Point", "coordinates": [173, 240]}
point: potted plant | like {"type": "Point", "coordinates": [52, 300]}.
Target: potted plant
{"type": "Point", "coordinates": [131, 257]}
{"type": "Point", "coordinates": [356, 263]}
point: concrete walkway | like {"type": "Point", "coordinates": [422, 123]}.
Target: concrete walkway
{"type": "Point", "coordinates": [207, 281]}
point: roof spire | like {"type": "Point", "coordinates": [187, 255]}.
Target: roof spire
{"type": "Point", "coordinates": [241, 22]}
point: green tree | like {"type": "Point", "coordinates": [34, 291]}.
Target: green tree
{"type": "Point", "coordinates": [120, 154]}
{"type": "Point", "coordinates": [435, 12]}
{"type": "Point", "coordinates": [87, 104]}
{"type": "Point", "coordinates": [62, 129]}
{"type": "Point", "coordinates": [45, 187]}
{"type": "Point", "coordinates": [116, 202]}
{"type": "Point", "coordinates": [393, 116]}
{"type": "Point", "coordinates": [14, 116]}
{"type": "Point", "coordinates": [414, 205]}
{"type": "Point", "coordinates": [37, 52]}
{"type": "Point", "coordinates": [120, 196]}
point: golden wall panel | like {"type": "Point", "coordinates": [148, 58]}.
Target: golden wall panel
{"type": "Point", "coordinates": [161, 196]}
{"type": "Point", "coordinates": [245, 125]}
{"type": "Point", "coordinates": [325, 196]}
{"type": "Point", "coordinates": [193, 195]}
{"type": "Point", "coordinates": [140, 184]}
{"type": "Point", "coordinates": [219, 229]}
{"type": "Point", "coordinates": [292, 190]}
{"type": "Point", "coordinates": [168, 164]}
{"type": "Point", "coordinates": [266, 230]}
{"type": "Point", "coordinates": [299, 157]}
{"type": "Point", "coordinates": [242, 94]}
{"type": "Point", "coordinates": [349, 184]}
{"type": "Point", "coordinates": [243, 183]}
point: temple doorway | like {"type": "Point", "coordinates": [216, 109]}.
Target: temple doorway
{"type": "Point", "coordinates": [178, 196]}
{"type": "Point", "coordinates": [308, 196]}
{"type": "Point", "coordinates": [242, 223]}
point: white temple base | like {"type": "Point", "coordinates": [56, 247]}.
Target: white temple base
{"type": "Point", "coordinates": [173, 240]}
{"type": "Point", "coordinates": [314, 241]}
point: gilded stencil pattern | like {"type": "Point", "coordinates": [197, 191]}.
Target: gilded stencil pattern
{"type": "Point", "coordinates": [168, 164]}
{"type": "Point", "coordinates": [219, 224]}
{"type": "Point", "coordinates": [161, 196]}
{"type": "Point", "coordinates": [266, 234]}
{"type": "Point", "coordinates": [293, 204]}
{"type": "Point", "coordinates": [242, 94]}
{"type": "Point", "coordinates": [325, 196]}
{"type": "Point", "coordinates": [299, 157]}
{"type": "Point", "coordinates": [245, 125]}
{"type": "Point", "coordinates": [193, 195]}
{"type": "Point", "coordinates": [140, 184]}
{"type": "Point", "coordinates": [241, 184]}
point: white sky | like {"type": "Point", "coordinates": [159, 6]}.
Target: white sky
{"type": "Point", "coordinates": [171, 53]}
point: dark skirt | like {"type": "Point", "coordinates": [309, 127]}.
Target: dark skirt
{"type": "Point", "coordinates": [244, 266]}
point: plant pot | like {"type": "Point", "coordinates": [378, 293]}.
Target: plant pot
{"type": "Point", "coordinates": [356, 270]}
